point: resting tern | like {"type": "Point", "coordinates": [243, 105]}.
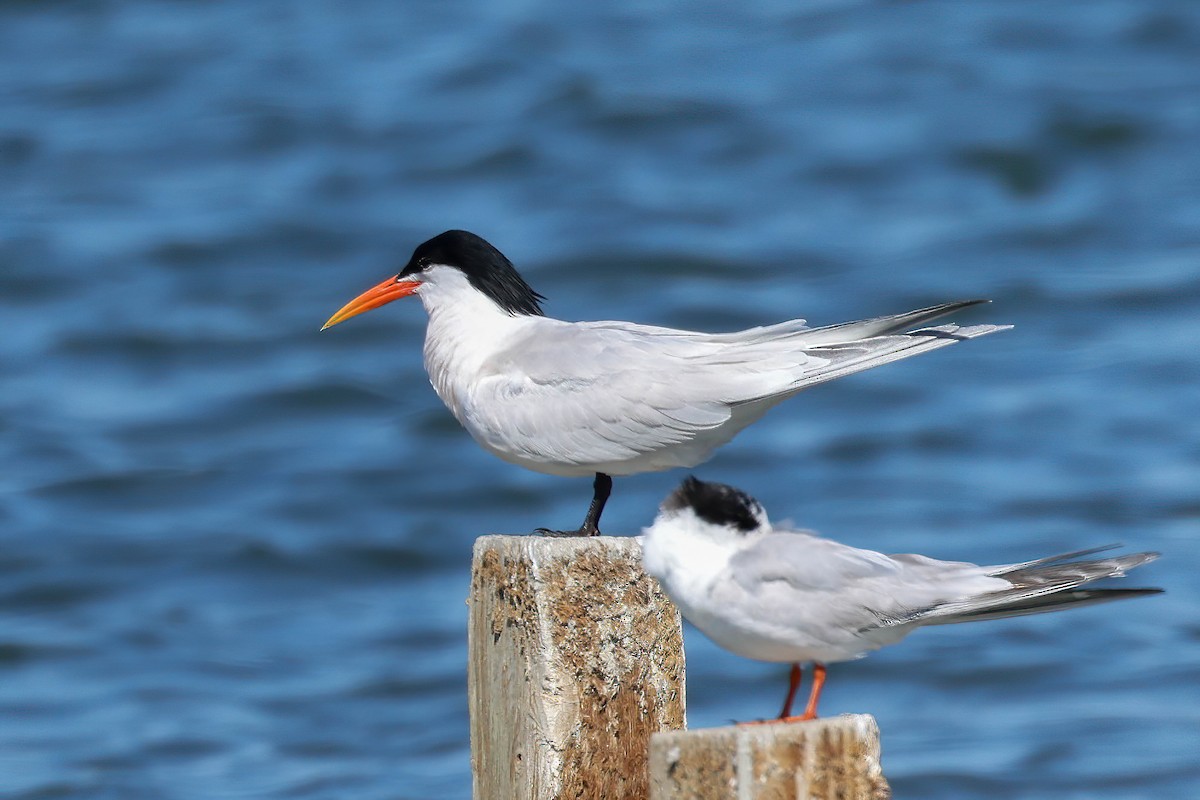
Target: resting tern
{"type": "Point", "coordinates": [778, 594]}
{"type": "Point", "coordinates": [615, 398]}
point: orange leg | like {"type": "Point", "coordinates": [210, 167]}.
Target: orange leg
{"type": "Point", "coordinates": [794, 678]}
{"type": "Point", "coordinates": [793, 684]}
{"type": "Point", "coordinates": [814, 697]}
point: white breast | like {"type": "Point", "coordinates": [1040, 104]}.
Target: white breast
{"type": "Point", "coordinates": [465, 330]}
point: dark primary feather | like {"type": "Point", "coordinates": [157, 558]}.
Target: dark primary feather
{"type": "Point", "coordinates": [844, 332]}
{"type": "Point", "coordinates": [1050, 602]}
{"type": "Point", "coordinates": [487, 269]}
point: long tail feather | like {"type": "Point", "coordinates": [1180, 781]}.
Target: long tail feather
{"type": "Point", "coordinates": [1042, 585]}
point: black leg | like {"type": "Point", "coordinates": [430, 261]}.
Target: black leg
{"type": "Point", "coordinates": [601, 489]}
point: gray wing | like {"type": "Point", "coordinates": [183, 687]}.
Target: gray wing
{"type": "Point", "coordinates": [792, 581]}
{"type": "Point", "coordinates": [869, 591]}
{"type": "Point", "coordinates": [608, 392]}
{"type": "Point", "coordinates": [806, 562]}
{"type": "Point", "coordinates": [600, 393]}
{"type": "Point", "coordinates": [857, 587]}
{"type": "Point", "coordinates": [796, 585]}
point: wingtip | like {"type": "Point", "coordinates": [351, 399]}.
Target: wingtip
{"type": "Point", "coordinates": [1117, 594]}
{"type": "Point", "coordinates": [960, 304]}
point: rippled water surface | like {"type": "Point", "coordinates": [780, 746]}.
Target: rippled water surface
{"type": "Point", "coordinates": [234, 552]}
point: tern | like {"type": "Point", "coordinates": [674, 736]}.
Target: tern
{"type": "Point", "coordinates": [784, 595]}
{"type": "Point", "coordinates": [600, 399]}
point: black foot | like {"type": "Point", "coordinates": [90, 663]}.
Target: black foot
{"type": "Point", "coordinates": [565, 534]}
{"type": "Point", "coordinates": [601, 488]}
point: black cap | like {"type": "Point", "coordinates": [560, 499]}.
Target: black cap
{"type": "Point", "coordinates": [716, 503]}
{"type": "Point", "coordinates": [485, 267]}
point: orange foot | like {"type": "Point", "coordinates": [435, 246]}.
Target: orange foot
{"type": "Point", "coordinates": [810, 711]}
{"type": "Point", "coordinates": [778, 720]}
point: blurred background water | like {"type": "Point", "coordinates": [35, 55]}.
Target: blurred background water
{"type": "Point", "coordinates": [234, 552]}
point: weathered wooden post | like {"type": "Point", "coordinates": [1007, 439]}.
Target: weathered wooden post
{"type": "Point", "coordinates": [576, 658]}
{"type": "Point", "coordinates": [576, 682]}
{"type": "Point", "coordinates": [819, 760]}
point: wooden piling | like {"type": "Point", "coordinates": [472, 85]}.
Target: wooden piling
{"type": "Point", "coordinates": [576, 658]}
{"type": "Point", "coordinates": [819, 760]}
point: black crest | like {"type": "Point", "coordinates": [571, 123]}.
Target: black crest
{"type": "Point", "coordinates": [485, 267]}
{"type": "Point", "coordinates": [716, 503]}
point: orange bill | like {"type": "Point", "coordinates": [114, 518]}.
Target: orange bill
{"type": "Point", "coordinates": [381, 295]}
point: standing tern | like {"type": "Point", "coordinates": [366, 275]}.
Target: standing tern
{"type": "Point", "coordinates": [783, 595]}
{"type": "Point", "coordinates": [616, 398]}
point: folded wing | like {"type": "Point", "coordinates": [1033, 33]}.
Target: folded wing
{"type": "Point", "coordinates": [595, 394]}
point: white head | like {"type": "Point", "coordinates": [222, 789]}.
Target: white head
{"type": "Point", "coordinates": [699, 527]}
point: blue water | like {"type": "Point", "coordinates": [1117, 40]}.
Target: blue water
{"type": "Point", "coordinates": [234, 552]}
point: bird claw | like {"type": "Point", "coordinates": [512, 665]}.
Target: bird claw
{"type": "Point", "coordinates": [565, 534]}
